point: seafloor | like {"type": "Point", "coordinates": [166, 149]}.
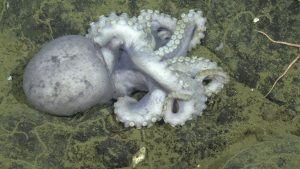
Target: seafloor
{"type": "Point", "coordinates": [239, 129]}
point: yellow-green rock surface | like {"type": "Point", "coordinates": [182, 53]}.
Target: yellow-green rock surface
{"type": "Point", "coordinates": [239, 129]}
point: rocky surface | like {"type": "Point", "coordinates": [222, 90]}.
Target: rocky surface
{"type": "Point", "coordinates": [237, 122]}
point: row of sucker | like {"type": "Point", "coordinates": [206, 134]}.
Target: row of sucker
{"type": "Point", "coordinates": [193, 19]}
{"type": "Point", "coordinates": [200, 69]}
{"type": "Point", "coordinates": [105, 29]}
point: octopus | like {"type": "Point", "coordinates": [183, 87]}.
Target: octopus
{"type": "Point", "coordinates": [146, 53]}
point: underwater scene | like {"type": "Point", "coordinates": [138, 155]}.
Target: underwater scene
{"type": "Point", "coordinates": [140, 84]}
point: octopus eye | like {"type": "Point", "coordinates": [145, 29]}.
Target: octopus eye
{"type": "Point", "coordinates": [175, 106]}
{"type": "Point", "coordinates": [121, 49]}
{"type": "Point", "coordinates": [206, 81]}
{"type": "Point", "coordinates": [160, 29]}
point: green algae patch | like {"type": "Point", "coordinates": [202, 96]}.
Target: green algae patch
{"type": "Point", "coordinates": [238, 124]}
{"type": "Point", "coordinates": [269, 153]}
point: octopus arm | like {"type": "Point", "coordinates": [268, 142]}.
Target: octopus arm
{"type": "Point", "coordinates": [140, 113]}
{"type": "Point", "coordinates": [206, 72]}
{"type": "Point", "coordinates": [187, 34]}
{"type": "Point", "coordinates": [128, 81]}
{"type": "Point", "coordinates": [147, 62]}
{"type": "Point", "coordinates": [178, 111]}
{"type": "Point", "coordinates": [162, 26]}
